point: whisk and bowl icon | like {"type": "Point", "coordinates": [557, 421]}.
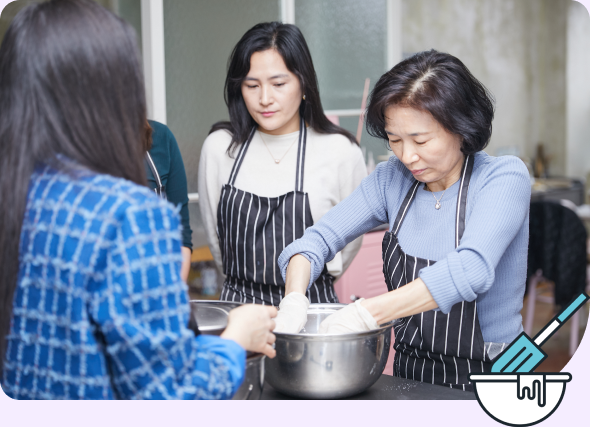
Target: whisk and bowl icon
{"type": "Point", "coordinates": [512, 393]}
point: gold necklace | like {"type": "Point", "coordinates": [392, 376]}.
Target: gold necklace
{"type": "Point", "coordinates": [277, 161]}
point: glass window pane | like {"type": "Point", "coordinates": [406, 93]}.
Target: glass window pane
{"type": "Point", "coordinates": [347, 40]}
{"type": "Point", "coordinates": [199, 37]}
{"type": "Point", "coordinates": [130, 10]}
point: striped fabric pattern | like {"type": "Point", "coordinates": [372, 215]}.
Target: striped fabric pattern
{"type": "Point", "coordinates": [253, 231]}
{"type": "Point", "coordinates": [267, 227]}
{"type": "Point", "coordinates": [100, 310]}
{"type": "Point", "coordinates": [432, 346]}
{"type": "Point", "coordinates": [239, 290]}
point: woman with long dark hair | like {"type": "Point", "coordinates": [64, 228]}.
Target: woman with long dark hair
{"type": "Point", "coordinates": [277, 166]}
{"type": "Point", "coordinates": [454, 258]}
{"type": "Point", "coordinates": [92, 305]}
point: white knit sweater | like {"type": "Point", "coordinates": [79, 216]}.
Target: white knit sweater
{"type": "Point", "coordinates": [334, 167]}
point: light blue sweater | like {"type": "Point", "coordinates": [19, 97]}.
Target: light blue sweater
{"type": "Point", "coordinates": [490, 263]}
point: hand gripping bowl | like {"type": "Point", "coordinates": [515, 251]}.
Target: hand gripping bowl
{"type": "Point", "coordinates": [309, 365]}
{"type": "Point", "coordinates": [520, 399]}
{"type": "Point", "coordinates": [211, 319]}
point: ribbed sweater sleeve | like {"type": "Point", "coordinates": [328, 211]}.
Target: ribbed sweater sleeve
{"type": "Point", "coordinates": [168, 162]}
{"type": "Point", "coordinates": [362, 211]}
{"type": "Point", "coordinates": [176, 188]}
{"type": "Point", "coordinates": [501, 206]}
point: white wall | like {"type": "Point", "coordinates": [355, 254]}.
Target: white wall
{"type": "Point", "coordinates": [517, 48]}
{"type": "Point", "coordinates": [578, 91]}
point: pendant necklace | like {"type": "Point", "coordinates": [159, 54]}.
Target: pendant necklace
{"type": "Point", "coordinates": [277, 161]}
{"type": "Point", "coordinates": [437, 205]}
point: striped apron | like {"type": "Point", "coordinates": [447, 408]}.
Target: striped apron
{"type": "Point", "coordinates": [431, 346]}
{"type": "Point", "coordinates": [160, 190]}
{"type": "Point", "coordinates": [254, 230]}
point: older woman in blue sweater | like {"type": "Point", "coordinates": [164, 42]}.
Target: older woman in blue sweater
{"type": "Point", "coordinates": [454, 258]}
{"type": "Point", "coordinates": [92, 304]}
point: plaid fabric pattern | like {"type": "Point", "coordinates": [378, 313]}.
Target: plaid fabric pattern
{"type": "Point", "coordinates": [100, 310]}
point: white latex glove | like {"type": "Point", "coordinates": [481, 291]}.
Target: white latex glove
{"type": "Point", "coordinates": [352, 318]}
{"type": "Point", "coordinates": [292, 315]}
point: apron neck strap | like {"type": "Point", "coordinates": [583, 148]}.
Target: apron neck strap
{"type": "Point", "coordinates": [401, 214]}
{"type": "Point", "coordinates": [240, 157]}
{"type": "Point", "coordinates": [150, 162]}
{"type": "Point", "coordinates": [466, 170]}
{"type": "Point", "coordinates": [462, 198]}
{"type": "Point", "coordinates": [300, 157]}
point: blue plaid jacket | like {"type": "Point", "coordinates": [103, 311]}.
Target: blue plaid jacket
{"type": "Point", "coordinates": [100, 310]}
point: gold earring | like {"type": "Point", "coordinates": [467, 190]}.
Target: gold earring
{"type": "Point", "coordinates": [304, 97]}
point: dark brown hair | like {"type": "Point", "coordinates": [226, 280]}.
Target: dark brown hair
{"type": "Point", "coordinates": [442, 85]}
{"type": "Point", "coordinates": [290, 44]}
{"type": "Point", "coordinates": [147, 136]}
{"type": "Point", "coordinates": [71, 92]}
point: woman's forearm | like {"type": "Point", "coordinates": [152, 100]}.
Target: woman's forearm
{"type": "Point", "coordinates": [186, 263]}
{"type": "Point", "coordinates": [360, 212]}
{"type": "Point", "coordinates": [298, 275]}
{"type": "Point", "coordinates": [408, 300]}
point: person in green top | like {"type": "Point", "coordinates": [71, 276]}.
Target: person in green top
{"type": "Point", "coordinates": [166, 176]}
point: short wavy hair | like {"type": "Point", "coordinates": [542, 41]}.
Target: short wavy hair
{"type": "Point", "coordinates": [442, 85]}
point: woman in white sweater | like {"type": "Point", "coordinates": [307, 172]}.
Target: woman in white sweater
{"type": "Point", "coordinates": [274, 169]}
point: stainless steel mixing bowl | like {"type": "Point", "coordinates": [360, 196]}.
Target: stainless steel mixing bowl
{"type": "Point", "coordinates": [211, 316]}
{"type": "Point", "coordinates": [211, 319]}
{"type": "Point", "coordinates": [310, 365]}
{"type": "Point", "coordinates": [251, 388]}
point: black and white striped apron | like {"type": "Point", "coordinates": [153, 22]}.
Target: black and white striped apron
{"type": "Point", "coordinates": [254, 230]}
{"type": "Point", "coordinates": [434, 347]}
{"type": "Point", "coordinates": [160, 190]}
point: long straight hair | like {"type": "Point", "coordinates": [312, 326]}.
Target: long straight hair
{"type": "Point", "coordinates": [288, 41]}
{"type": "Point", "coordinates": [71, 87]}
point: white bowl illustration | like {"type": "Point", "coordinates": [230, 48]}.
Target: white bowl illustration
{"type": "Point", "coordinates": [521, 399]}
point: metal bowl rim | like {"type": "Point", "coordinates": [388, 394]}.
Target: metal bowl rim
{"type": "Point", "coordinates": [214, 328]}
{"type": "Point", "coordinates": [255, 357]}
{"type": "Point", "coordinates": [216, 301]}
{"type": "Point", "coordinates": [335, 337]}
{"type": "Point", "coordinates": [312, 337]}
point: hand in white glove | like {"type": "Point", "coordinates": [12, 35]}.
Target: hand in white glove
{"type": "Point", "coordinates": [352, 318]}
{"type": "Point", "coordinates": [292, 315]}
